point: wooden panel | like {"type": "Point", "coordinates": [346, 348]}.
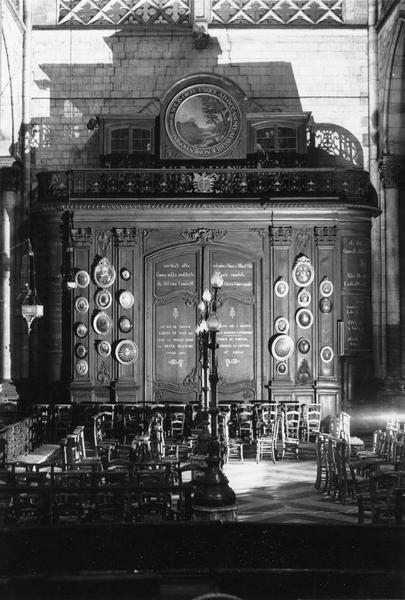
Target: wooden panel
{"type": "Point", "coordinates": [172, 283]}
{"type": "Point", "coordinates": [237, 339]}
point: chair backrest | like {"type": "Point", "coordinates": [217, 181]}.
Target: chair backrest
{"type": "Point", "coordinates": [292, 422]}
{"type": "Point", "coordinates": [177, 424]}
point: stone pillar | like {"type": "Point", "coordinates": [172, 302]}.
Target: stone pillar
{"type": "Point", "coordinates": [9, 184]}
{"type": "Point", "coordinates": [390, 173]}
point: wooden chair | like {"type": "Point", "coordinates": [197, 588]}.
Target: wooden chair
{"type": "Point", "coordinates": [245, 423]}
{"type": "Point", "coordinates": [266, 445]}
{"type": "Point", "coordinates": [321, 461]}
{"type": "Point", "coordinates": [102, 443]}
{"type": "Point", "coordinates": [235, 450]}
{"type": "Point", "coordinates": [290, 435]}
{"type": "Point", "coordinates": [313, 421]}
{"type": "Point", "coordinates": [177, 425]}
{"type": "Point", "coordinates": [62, 420]}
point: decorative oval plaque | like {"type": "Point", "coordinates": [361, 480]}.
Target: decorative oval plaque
{"type": "Point", "coordinates": [126, 352]}
{"type": "Point", "coordinates": [282, 347]}
{"type": "Point", "coordinates": [203, 121]}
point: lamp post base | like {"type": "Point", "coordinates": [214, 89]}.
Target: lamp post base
{"type": "Point", "coordinates": [214, 499]}
{"type": "Point", "coordinates": [218, 513]}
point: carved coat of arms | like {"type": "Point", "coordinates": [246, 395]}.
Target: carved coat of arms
{"type": "Point", "coordinates": [204, 183]}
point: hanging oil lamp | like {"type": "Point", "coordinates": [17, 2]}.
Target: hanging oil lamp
{"type": "Point", "coordinates": [31, 307]}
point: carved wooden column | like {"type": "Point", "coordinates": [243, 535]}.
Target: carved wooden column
{"type": "Point", "coordinates": [391, 172]}
{"type": "Point", "coordinates": [127, 377]}
{"type": "Point", "coordinates": [48, 240]}
{"type": "Point", "coordinates": [326, 306]}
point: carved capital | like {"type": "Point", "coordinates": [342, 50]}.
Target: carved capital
{"type": "Point", "coordinates": [280, 236]}
{"type": "Point", "coordinates": [103, 239]}
{"type": "Point", "coordinates": [391, 170]}
{"type": "Point", "coordinates": [203, 235]}
{"type": "Point", "coordinates": [325, 236]}
{"type": "Point", "coordinates": [81, 237]}
{"type": "Point", "coordinates": [125, 236]}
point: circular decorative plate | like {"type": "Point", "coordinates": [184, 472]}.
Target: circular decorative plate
{"type": "Point", "coordinates": [281, 325]}
{"type": "Point", "coordinates": [126, 352]}
{"type": "Point", "coordinates": [81, 304]}
{"type": "Point", "coordinates": [81, 330]}
{"type": "Point", "coordinates": [102, 323]}
{"type": "Point", "coordinates": [125, 274]}
{"type": "Point", "coordinates": [325, 305]}
{"type": "Point", "coordinates": [203, 121]}
{"type": "Point", "coordinates": [81, 350]}
{"type": "Point", "coordinates": [81, 367]}
{"type": "Point", "coordinates": [303, 272]}
{"type": "Point", "coordinates": [104, 348]}
{"type": "Point", "coordinates": [282, 347]}
{"type": "Point", "coordinates": [304, 298]}
{"type": "Point", "coordinates": [104, 273]}
{"type": "Point", "coordinates": [304, 318]}
{"type": "Point", "coordinates": [304, 345]}
{"type": "Point", "coordinates": [326, 287]}
{"type": "Point", "coordinates": [281, 287]}
{"type": "Point", "coordinates": [126, 299]}
{"type": "Point", "coordinates": [281, 368]}
{"type": "Point", "coordinates": [326, 354]}
{"type": "Point", "coordinates": [125, 324]}
{"type": "Point", "coordinates": [103, 299]}
{"type": "Point", "coordinates": [82, 279]}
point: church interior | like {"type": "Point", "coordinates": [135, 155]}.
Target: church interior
{"type": "Point", "coordinates": [202, 367]}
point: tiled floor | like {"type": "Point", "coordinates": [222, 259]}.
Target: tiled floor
{"type": "Point", "coordinates": [284, 492]}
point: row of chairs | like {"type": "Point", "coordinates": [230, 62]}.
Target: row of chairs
{"type": "Point", "coordinates": [152, 492]}
{"type": "Point", "coordinates": [368, 477]}
{"type": "Point", "coordinates": [128, 420]}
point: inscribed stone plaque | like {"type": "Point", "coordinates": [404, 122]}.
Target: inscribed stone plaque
{"type": "Point", "coordinates": [356, 312]}
{"type": "Point", "coordinates": [175, 290]}
{"type": "Point", "coordinates": [356, 263]}
{"type": "Point", "coordinates": [236, 342]}
{"type": "Point", "coordinates": [237, 316]}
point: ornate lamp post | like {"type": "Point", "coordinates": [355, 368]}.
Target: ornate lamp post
{"type": "Point", "coordinates": [213, 498]}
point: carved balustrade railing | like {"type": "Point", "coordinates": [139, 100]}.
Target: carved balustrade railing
{"type": "Point", "coordinates": [219, 182]}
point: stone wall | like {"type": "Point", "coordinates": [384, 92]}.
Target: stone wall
{"type": "Point", "coordinates": [126, 72]}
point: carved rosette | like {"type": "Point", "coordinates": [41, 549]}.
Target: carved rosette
{"type": "Point", "coordinates": [103, 240]}
{"type": "Point", "coordinates": [280, 236]}
{"type": "Point", "coordinates": [81, 237]}
{"type": "Point", "coordinates": [203, 235]}
{"type": "Point", "coordinates": [391, 170]}
{"type": "Point", "coordinates": [125, 236]}
{"type": "Point", "coordinates": [325, 236]}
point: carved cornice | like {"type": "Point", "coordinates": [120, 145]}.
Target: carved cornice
{"type": "Point", "coordinates": [103, 240]}
{"type": "Point", "coordinates": [203, 235]}
{"type": "Point", "coordinates": [81, 237]}
{"type": "Point", "coordinates": [392, 170]}
{"type": "Point", "coordinates": [280, 236]}
{"type": "Point", "coordinates": [125, 236]}
{"type": "Point", "coordinates": [325, 236]}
